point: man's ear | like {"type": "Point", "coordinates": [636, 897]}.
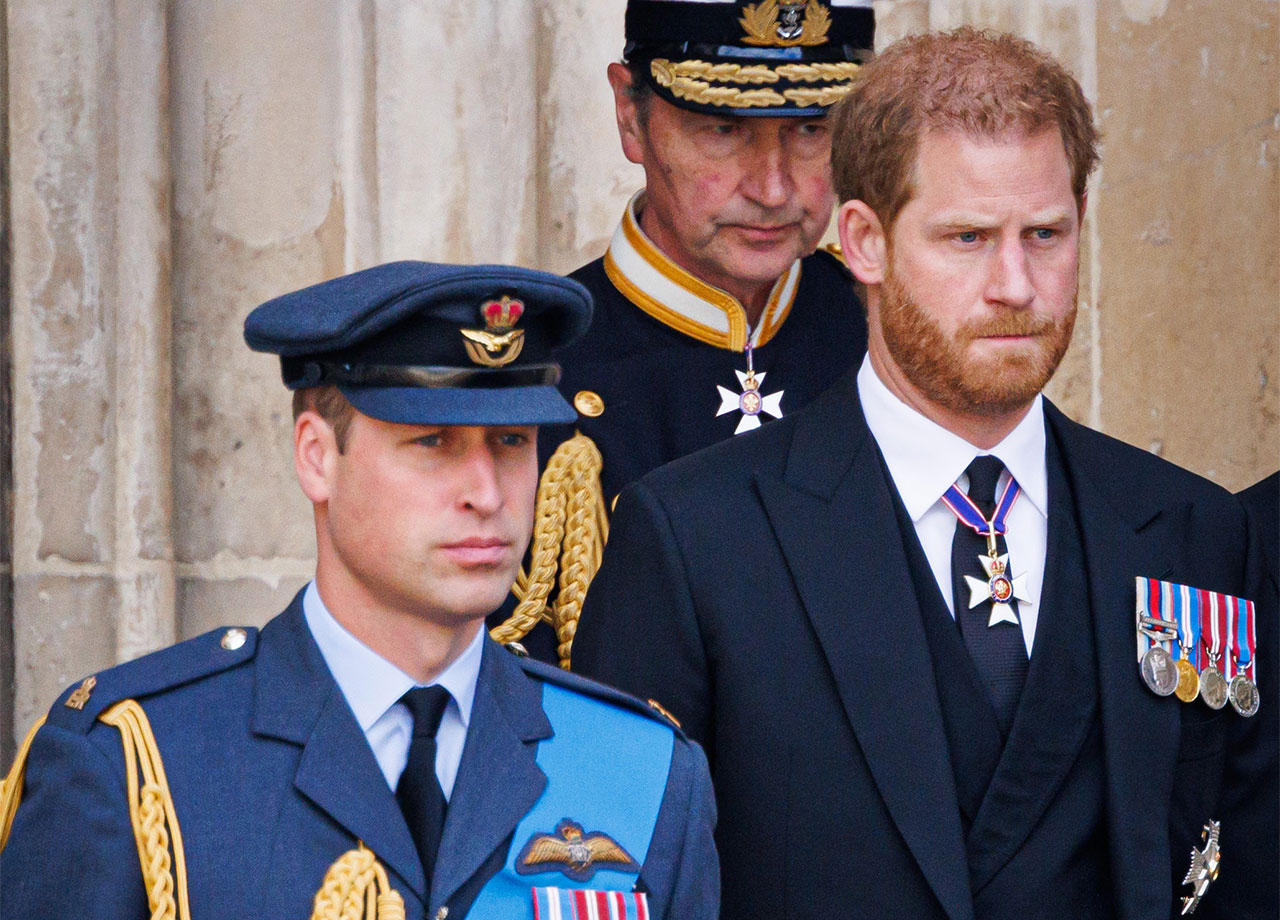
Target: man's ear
{"type": "Point", "coordinates": [630, 130]}
{"type": "Point", "coordinates": [315, 453]}
{"type": "Point", "coordinates": [862, 239]}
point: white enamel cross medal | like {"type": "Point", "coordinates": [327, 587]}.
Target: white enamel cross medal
{"type": "Point", "coordinates": [1000, 588]}
{"type": "Point", "coordinates": [750, 402]}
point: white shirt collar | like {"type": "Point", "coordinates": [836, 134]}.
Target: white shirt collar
{"type": "Point", "coordinates": [924, 458]}
{"type": "Point", "coordinates": [371, 684]}
{"type": "Point", "coordinates": [658, 286]}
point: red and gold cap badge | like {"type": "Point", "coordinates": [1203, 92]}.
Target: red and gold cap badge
{"type": "Point", "coordinates": [499, 342]}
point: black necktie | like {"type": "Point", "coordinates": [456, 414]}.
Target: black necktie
{"type": "Point", "coordinates": [997, 651]}
{"type": "Point", "coordinates": [419, 793]}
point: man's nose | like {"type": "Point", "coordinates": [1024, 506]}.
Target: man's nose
{"type": "Point", "coordinates": [768, 173]}
{"type": "Point", "coordinates": [480, 490]}
{"type": "Point", "coordinates": [1010, 282]}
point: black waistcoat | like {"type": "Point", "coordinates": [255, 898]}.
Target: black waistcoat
{"type": "Point", "coordinates": [1032, 807]}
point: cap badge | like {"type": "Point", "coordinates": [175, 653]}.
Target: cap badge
{"type": "Point", "coordinates": [498, 343]}
{"type": "Point", "coordinates": [574, 853]}
{"type": "Point", "coordinates": [785, 23]}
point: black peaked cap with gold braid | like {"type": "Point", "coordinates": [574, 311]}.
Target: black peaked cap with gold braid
{"type": "Point", "coordinates": [768, 57]}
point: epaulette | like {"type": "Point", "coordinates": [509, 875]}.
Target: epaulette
{"type": "Point", "coordinates": [81, 704]}
{"type": "Point", "coordinates": [833, 253]}
{"type": "Point", "coordinates": [587, 687]}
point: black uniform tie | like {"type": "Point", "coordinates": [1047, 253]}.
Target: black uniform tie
{"type": "Point", "coordinates": [419, 793]}
{"type": "Point", "coordinates": [997, 651]}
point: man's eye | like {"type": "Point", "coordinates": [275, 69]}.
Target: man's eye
{"type": "Point", "coordinates": [1044, 233]}
{"type": "Point", "coordinates": [967, 236]}
{"type": "Point", "coordinates": [430, 440]}
{"type": "Point", "coordinates": [513, 439]}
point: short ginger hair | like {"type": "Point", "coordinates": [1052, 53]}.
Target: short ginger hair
{"type": "Point", "coordinates": [982, 83]}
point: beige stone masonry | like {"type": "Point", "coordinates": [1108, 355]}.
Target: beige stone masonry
{"type": "Point", "coordinates": [172, 164]}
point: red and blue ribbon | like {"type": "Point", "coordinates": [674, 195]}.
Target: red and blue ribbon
{"type": "Point", "coordinates": [589, 904]}
{"type": "Point", "coordinates": [963, 507]}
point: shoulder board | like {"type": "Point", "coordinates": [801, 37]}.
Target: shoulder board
{"type": "Point", "coordinates": [587, 687]}
{"type": "Point", "coordinates": [833, 256]}
{"type": "Point", "coordinates": [80, 705]}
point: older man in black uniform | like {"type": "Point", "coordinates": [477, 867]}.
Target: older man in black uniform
{"type": "Point", "coordinates": [713, 312]}
{"type": "Point", "coordinates": [951, 654]}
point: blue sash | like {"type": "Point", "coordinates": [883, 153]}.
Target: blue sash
{"type": "Point", "coordinates": [606, 771]}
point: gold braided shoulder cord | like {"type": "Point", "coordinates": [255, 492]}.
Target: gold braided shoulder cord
{"type": "Point", "coordinates": [356, 880]}
{"type": "Point", "coordinates": [151, 811]}
{"type": "Point", "coordinates": [11, 785]}
{"type": "Point", "coordinates": [569, 532]}
{"type": "Point", "coordinates": [355, 887]}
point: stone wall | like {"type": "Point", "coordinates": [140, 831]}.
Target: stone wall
{"type": "Point", "coordinates": [172, 164]}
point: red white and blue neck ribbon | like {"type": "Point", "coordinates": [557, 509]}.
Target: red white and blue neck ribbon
{"type": "Point", "coordinates": [963, 507]}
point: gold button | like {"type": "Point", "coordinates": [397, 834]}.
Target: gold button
{"type": "Point", "coordinates": [233, 639]}
{"type": "Point", "coordinates": [442, 913]}
{"type": "Point", "coordinates": [588, 403]}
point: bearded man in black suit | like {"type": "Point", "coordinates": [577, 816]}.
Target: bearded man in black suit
{"type": "Point", "coordinates": [906, 622]}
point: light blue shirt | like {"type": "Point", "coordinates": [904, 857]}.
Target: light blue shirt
{"type": "Point", "coordinates": [373, 687]}
{"type": "Point", "coordinates": [924, 459]}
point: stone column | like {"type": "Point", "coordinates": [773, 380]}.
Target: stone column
{"type": "Point", "coordinates": [270, 115]}
{"type": "Point", "coordinates": [583, 179]}
{"type": "Point", "coordinates": [92, 554]}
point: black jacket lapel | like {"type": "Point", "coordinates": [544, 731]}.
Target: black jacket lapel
{"type": "Point", "coordinates": [1059, 701]}
{"type": "Point", "coordinates": [1124, 538]}
{"type": "Point", "coordinates": [832, 512]}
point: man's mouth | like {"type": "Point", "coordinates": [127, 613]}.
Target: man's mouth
{"type": "Point", "coordinates": [477, 551]}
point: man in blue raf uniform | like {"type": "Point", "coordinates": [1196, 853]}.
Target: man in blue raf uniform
{"type": "Point", "coordinates": [927, 627]}
{"type": "Point", "coordinates": [713, 312]}
{"type": "Point", "coordinates": [371, 743]}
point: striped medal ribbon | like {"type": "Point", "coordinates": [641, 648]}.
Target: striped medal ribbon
{"type": "Point", "coordinates": [589, 904]}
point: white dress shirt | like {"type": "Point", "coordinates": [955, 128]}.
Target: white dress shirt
{"type": "Point", "coordinates": [373, 687]}
{"type": "Point", "coordinates": [924, 459]}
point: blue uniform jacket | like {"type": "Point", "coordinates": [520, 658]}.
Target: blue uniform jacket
{"type": "Point", "coordinates": [273, 781]}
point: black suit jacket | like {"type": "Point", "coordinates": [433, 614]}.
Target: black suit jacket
{"type": "Point", "coordinates": [760, 591]}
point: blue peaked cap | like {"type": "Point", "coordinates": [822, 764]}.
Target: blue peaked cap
{"type": "Point", "coordinates": [430, 344]}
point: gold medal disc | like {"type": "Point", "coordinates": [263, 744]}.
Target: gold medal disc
{"type": "Point", "coordinates": [1188, 681]}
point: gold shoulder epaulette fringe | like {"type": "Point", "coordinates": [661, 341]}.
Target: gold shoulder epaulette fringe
{"type": "Point", "coordinates": [356, 885]}
{"type": "Point", "coordinates": [569, 532]}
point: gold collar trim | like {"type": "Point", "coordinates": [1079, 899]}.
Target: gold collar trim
{"type": "Point", "coordinates": [671, 295]}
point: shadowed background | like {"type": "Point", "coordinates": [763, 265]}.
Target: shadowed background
{"type": "Point", "coordinates": [169, 165]}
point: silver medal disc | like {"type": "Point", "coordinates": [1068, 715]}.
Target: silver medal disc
{"type": "Point", "coordinates": [1158, 671]}
{"type": "Point", "coordinates": [1243, 695]}
{"type": "Point", "coordinates": [1213, 687]}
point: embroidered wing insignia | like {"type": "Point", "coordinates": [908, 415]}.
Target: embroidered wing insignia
{"type": "Point", "coordinates": [575, 853]}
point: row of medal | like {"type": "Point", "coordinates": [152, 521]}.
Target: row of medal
{"type": "Point", "coordinates": [1196, 643]}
